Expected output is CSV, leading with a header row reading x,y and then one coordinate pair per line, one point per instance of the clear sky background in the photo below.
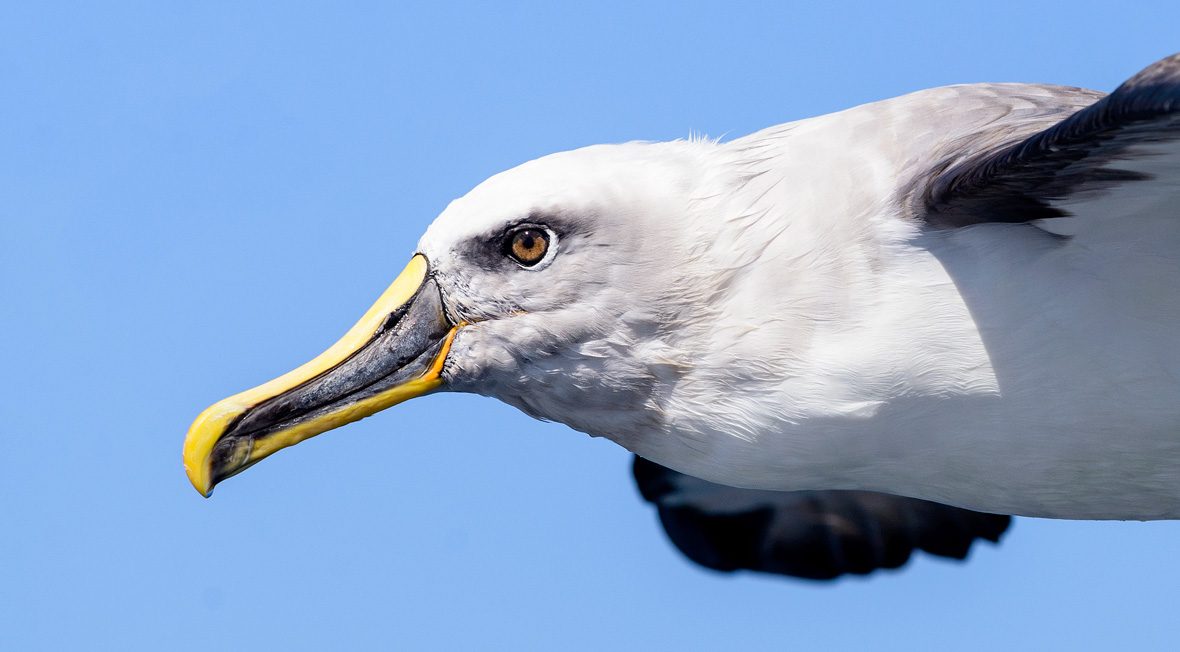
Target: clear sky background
x,y
195,197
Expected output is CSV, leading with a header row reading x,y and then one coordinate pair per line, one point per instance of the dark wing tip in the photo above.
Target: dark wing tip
x,y
1152,91
1023,180
816,535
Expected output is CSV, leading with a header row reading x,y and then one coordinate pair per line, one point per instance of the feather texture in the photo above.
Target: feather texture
x,y
889,298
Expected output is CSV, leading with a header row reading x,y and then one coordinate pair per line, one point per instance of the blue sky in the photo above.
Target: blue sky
x,y
198,196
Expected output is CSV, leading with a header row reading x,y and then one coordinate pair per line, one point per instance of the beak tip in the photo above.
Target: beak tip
x,y
199,481
202,436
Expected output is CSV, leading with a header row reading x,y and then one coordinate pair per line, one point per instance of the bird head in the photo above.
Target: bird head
x,y
547,286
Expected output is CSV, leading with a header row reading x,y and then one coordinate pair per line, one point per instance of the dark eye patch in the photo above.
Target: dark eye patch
x,y
493,250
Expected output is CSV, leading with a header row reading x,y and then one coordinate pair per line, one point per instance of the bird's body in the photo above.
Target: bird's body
x,y
996,366
968,295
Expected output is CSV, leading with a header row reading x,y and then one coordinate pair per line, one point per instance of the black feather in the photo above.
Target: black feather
x,y
817,535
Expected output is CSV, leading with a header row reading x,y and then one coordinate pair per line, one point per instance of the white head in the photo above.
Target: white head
x,y
589,333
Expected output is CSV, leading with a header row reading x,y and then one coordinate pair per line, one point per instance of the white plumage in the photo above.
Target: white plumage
x,y
879,299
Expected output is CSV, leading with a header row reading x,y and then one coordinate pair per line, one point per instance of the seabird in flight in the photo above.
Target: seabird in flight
x,y
965,295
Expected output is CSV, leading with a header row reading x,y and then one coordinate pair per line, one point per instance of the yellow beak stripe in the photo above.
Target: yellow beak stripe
x,y
213,422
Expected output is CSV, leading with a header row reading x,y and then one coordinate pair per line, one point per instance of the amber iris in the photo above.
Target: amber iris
x,y
528,245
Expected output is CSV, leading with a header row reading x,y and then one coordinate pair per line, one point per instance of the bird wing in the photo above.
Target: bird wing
x,y
1117,157
815,535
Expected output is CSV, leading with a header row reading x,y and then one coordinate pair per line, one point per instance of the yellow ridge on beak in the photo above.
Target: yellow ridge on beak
x,y
394,353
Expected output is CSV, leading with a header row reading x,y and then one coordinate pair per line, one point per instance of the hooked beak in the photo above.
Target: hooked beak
x,y
394,353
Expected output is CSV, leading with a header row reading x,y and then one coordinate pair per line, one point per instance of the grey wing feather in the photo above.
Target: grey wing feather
x,y
817,535
1104,146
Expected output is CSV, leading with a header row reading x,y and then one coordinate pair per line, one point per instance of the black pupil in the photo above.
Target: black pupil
x,y
528,240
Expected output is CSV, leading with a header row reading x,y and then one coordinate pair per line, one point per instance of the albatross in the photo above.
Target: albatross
x,y
829,343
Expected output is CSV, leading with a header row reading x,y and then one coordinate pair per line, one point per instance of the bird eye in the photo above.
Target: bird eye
x,y
527,245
